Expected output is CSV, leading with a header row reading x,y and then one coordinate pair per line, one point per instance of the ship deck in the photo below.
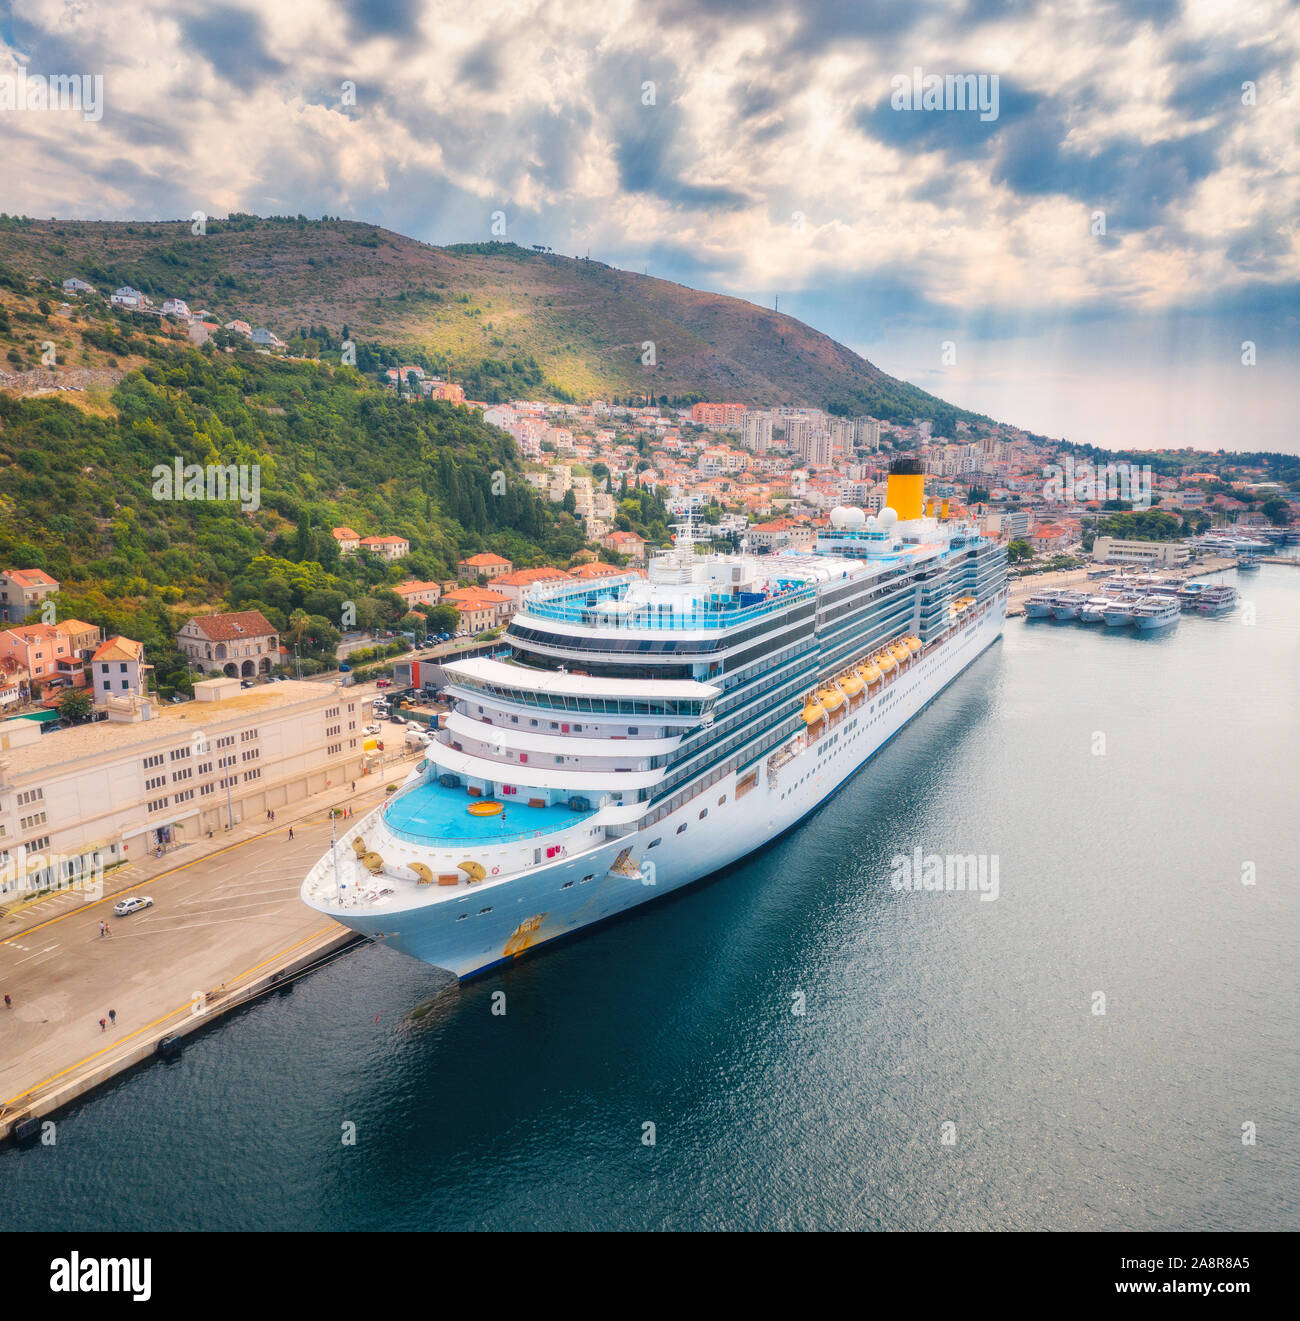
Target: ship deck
x,y
433,814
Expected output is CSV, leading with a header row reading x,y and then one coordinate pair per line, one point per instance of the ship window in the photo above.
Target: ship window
x,y
682,827
481,911
566,885
590,876
722,800
460,917
633,729
703,813
654,843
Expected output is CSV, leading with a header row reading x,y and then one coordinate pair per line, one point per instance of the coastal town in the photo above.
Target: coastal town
x,y
254,713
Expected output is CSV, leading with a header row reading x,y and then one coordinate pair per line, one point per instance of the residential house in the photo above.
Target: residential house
x,y
387,548
44,652
480,608
625,543
515,584
241,644
346,540
485,565
176,307
414,592
131,298
21,591
117,667
75,286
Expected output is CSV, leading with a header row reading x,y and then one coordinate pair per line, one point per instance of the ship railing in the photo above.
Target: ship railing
x,y
655,620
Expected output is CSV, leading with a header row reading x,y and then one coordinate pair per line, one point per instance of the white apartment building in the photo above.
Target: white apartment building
x,y
866,433
152,774
756,431
1157,554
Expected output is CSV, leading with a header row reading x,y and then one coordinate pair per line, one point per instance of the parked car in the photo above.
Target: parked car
x,y
133,904
373,729
247,683
345,669
383,683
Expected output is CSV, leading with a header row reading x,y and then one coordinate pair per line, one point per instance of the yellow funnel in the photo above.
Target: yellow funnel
x,y
905,489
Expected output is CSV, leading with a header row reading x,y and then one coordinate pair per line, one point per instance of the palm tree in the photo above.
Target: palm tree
x,y
299,623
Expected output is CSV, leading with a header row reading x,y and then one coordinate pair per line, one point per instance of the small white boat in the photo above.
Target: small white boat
x,y
1039,606
1153,612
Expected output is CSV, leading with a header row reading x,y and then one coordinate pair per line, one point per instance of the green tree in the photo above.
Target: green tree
x,y
75,705
443,618
1018,550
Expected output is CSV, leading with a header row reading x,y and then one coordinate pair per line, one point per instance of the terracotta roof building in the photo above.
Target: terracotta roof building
x,y
241,644
21,591
487,564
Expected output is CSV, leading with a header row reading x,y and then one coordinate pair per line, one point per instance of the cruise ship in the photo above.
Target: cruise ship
x,y
643,732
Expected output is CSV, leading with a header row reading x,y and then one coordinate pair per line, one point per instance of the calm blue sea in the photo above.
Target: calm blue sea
x,y
1120,874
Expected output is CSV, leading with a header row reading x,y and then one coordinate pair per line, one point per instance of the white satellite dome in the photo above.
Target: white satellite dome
x,y
873,524
840,516
854,517
888,516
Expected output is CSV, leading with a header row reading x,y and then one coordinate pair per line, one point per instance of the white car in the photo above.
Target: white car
x,y
132,905
372,729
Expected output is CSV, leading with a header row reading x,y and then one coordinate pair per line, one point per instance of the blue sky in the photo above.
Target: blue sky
x,y
758,149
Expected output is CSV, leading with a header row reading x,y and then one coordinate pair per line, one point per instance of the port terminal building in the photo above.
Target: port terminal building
x,y
154,774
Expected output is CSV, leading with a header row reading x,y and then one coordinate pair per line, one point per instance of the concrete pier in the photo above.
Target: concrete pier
x,y
226,925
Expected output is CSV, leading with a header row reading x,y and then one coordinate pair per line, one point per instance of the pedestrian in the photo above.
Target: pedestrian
x,y
268,814
290,832
112,1016
108,930
102,929
9,1004
102,1025
354,786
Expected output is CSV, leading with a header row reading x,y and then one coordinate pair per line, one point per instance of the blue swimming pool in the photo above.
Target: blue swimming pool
x,y
432,813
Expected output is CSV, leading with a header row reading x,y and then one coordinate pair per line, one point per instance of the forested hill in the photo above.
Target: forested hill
x,y
498,317
78,491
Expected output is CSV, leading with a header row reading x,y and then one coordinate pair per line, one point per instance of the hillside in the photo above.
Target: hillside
x,y
489,313
320,446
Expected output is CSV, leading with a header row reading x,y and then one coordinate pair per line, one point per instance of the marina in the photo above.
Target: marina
x,y
1146,603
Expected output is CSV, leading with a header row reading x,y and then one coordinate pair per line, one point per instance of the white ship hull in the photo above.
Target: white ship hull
x,y
492,923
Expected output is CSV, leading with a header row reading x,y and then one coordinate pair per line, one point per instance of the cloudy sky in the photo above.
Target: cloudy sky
x,y
1095,256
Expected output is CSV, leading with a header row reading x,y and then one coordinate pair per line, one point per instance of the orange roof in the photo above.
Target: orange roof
x,y
596,570
32,578
345,534
413,585
484,559
384,541
477,595
231,627
526,577
119,649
